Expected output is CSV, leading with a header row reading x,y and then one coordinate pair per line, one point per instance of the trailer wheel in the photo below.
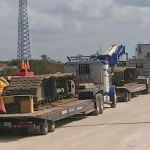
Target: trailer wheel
x,y
44,128
99,104
129,96
24,131
51,126
126,98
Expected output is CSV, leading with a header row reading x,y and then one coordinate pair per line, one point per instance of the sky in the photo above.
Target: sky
x,y
61,28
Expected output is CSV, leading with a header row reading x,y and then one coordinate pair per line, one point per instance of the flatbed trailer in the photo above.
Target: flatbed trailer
x,y
43,121
45,106
128,83
126,92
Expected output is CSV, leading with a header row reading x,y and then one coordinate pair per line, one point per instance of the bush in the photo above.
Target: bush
x,y
37,66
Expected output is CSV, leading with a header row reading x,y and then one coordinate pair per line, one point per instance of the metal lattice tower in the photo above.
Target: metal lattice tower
x,y
23,51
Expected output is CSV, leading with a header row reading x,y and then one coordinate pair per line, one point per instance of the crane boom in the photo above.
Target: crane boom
x,y
113,54
111,50
120,51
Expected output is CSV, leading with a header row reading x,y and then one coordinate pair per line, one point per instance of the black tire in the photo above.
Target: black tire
x,y
126,99
99,104
51,126
96,112
24,131
44,128
129,96
101,110
113,105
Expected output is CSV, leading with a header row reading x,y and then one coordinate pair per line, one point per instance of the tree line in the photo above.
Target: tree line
x,y
45,65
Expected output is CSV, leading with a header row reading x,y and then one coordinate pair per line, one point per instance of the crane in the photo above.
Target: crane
x,y
113,54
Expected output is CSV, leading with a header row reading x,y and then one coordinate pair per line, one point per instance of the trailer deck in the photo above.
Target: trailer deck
x,y
133,87
54,113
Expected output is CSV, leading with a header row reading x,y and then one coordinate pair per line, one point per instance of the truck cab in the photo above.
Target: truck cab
x,y
93,76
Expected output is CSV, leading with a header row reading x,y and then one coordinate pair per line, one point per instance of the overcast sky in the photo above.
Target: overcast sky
x,y
68,27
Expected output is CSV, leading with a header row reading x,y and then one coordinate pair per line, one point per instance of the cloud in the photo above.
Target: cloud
x,y
139,3
67,27
6,14
42,21
83,9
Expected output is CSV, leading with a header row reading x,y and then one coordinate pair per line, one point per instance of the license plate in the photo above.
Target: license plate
x,y
7,124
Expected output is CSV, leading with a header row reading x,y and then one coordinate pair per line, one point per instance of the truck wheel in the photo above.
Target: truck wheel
x,y
51,126
125,99
99,104
129,96
96,112
44,128
113,105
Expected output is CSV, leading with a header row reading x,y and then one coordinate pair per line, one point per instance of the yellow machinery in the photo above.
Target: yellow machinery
x,y
3,84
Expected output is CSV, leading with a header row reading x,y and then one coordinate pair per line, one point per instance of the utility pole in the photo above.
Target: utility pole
x,y
100,50
23,51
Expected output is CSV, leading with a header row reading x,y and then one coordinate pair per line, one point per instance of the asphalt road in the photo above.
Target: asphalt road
x,y
123,128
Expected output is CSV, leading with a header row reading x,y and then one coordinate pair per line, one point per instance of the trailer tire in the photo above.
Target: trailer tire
x,y
129,96
51,126
99,108
126,99
24,131
44,128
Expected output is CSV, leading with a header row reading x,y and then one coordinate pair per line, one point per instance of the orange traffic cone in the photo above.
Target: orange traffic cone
x,y
2,106
25,67
22,66
28,66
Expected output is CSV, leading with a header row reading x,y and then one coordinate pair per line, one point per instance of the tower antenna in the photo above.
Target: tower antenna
x,y
23,51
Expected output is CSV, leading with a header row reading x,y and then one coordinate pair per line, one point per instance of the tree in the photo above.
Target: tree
x,y
44,66
45,57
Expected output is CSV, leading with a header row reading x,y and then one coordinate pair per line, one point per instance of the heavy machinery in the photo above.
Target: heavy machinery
x,y
128,83
112,55
3,85
24,71
35,102
126,79
26,104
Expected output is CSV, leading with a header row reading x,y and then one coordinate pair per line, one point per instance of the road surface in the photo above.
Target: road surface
x,y
123,128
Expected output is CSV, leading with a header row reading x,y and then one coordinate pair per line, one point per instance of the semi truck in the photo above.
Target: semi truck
x,y
125,79
35,102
